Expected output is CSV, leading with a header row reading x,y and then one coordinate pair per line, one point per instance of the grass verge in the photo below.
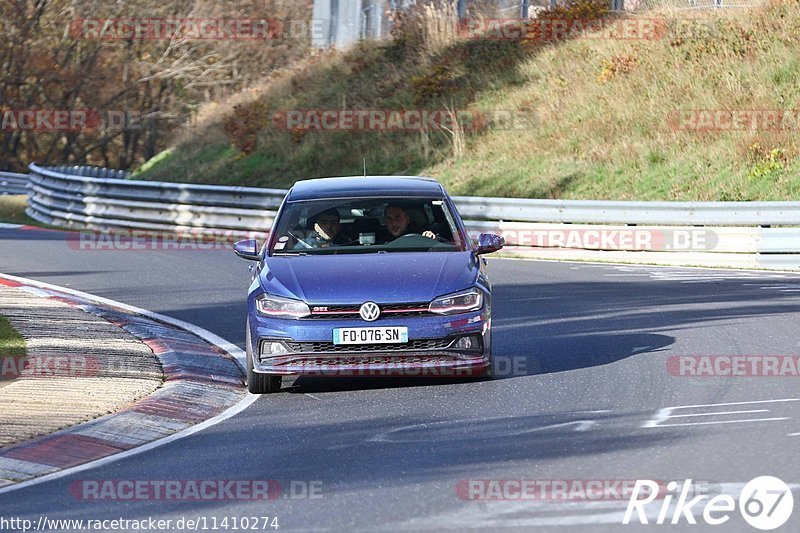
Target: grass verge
x,y
11,343
12,210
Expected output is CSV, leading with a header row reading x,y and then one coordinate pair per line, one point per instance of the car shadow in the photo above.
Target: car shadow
x,y
547,355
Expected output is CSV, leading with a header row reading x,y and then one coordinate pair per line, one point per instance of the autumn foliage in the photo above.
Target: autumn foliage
x,y
142,88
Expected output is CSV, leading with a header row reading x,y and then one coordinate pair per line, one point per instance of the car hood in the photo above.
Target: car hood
x,y
357,278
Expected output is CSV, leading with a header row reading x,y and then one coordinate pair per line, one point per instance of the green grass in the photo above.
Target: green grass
x,y
594,113
12,210
155,160
11,343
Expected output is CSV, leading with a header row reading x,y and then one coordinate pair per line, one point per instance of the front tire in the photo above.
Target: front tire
x,y
259,383
489,373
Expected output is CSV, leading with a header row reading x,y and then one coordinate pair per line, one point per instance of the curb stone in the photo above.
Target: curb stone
x,y
201,382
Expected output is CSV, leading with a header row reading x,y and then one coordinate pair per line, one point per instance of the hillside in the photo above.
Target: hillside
x,y
583,115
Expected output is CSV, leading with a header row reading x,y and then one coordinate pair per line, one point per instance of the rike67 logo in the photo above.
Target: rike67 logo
x,y
765,503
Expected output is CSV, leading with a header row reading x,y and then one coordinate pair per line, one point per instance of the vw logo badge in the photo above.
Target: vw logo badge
x,y
370,311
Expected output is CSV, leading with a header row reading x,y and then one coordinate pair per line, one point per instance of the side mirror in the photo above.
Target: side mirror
x,y
248,249
489,242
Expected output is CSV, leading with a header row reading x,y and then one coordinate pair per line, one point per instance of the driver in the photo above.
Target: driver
x,y
327,231
398,223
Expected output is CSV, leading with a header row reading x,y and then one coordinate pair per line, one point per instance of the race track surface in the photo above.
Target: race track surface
x,y
585,393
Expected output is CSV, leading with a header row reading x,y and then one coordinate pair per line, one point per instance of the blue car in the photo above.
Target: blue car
x,y
368,276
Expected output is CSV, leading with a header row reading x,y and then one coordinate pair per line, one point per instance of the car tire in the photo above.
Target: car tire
x,y
259,383
489,372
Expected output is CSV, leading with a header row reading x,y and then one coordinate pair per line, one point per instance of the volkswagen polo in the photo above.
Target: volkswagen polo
x,y
368,276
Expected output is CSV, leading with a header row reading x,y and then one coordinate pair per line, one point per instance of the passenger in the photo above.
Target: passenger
x,y
398,223
327,231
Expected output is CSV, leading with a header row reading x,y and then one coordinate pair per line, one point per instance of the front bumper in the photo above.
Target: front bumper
x,y
429,352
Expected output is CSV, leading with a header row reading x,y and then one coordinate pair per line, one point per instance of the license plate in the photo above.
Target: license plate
x,y
385,335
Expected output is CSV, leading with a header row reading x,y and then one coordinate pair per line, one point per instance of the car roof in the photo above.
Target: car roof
x,y
365,186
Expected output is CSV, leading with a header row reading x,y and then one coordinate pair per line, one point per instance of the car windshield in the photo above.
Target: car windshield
x,y
367,225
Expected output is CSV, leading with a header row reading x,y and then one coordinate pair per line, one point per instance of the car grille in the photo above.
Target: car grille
x,y
387,311
369,359
329,347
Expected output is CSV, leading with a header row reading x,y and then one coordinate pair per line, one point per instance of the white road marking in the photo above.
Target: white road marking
x,y
722,413
723,422
694,274
235,352
667,413
580,425
752,273
737,403
390,436
779,288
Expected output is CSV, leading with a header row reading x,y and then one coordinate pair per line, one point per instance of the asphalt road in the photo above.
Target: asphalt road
x,y
584,394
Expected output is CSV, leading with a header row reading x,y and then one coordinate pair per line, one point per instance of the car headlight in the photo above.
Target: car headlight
x,y
458,302
281,307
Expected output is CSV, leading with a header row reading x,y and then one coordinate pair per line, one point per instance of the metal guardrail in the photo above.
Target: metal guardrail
x,y
92,172
12,183
616,212
60,198
66,197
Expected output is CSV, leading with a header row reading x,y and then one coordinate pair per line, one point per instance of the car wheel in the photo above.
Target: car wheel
x,y
259,383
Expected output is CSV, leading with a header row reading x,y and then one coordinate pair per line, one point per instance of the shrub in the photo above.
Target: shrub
x,y
577,10
243,125
618,64
768,164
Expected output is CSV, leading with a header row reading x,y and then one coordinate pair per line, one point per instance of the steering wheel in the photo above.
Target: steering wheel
x,y
437,238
